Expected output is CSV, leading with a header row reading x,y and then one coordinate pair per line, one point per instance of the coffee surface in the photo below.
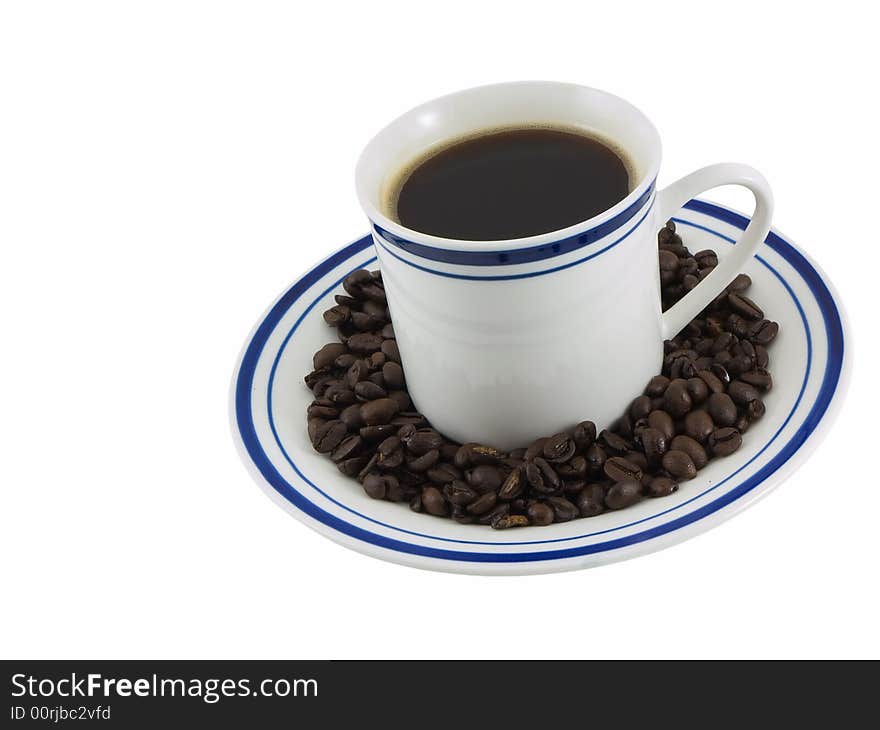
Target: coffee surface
x,y
511,184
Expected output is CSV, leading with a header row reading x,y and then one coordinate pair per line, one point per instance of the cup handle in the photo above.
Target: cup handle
x,y
671,198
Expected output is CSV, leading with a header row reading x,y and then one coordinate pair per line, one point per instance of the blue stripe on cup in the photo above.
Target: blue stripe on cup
x,y
517,256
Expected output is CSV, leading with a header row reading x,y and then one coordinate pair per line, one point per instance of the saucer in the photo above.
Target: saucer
x,y
810,360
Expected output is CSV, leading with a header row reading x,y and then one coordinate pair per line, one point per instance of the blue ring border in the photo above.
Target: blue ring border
x,y
831,377
516,256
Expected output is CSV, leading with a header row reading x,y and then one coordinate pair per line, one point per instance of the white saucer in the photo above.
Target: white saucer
x,y
809,360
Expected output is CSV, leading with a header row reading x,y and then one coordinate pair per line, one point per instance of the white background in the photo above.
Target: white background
x,y
166,169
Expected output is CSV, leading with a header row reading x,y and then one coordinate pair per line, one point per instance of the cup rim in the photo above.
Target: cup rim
x,y
646,181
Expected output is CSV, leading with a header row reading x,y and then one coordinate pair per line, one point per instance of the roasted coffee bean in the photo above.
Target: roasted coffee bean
x,y
668,261
758,378
551,480
393,374
314,424
340,394
737,325
415,504
347,448
433,502
722,343
755,410
365,322
744,306
706,258
762,359
390,350
375,361
377,433
337,315
401,397
540,514
535,449
677,401
725,441
620,470
505,522
692,448
663,422
320,410
459,493
355,280
614,442
424,462
422,441
740,283
513,486
482,504
640,408
574,468
351,467
366,342
443,473
377,378
742,393
623,494
365,390
763,332
357,371
484,478
720,372
722,409
563,510
329,436
657,386
697,389
596,457
591,500
376,485
661,486
698,425
679,464
623,426
654,444
638,458
378,412
408,418
327,354
559,448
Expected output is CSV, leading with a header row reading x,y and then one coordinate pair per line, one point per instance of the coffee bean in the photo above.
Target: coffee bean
x,y
677,400
662,486
377,433
698,425
484,478
347,448
540,514
706,258
319,410
737,325
422,441
663,422
720,372
614,442
550,481
378,412
654,444
740,283
668,261
596,457
620,470
351,467
758,378
443,473
722,343
563,510
337,315
328,436
504,522
559,448
482,504
697,389
327,354
535,449
762,359
365,342
424,462
724,441
692,448
390,350
574,468
623,494
722,409
657,386
433,502
679,464
591,500
376,485
763,332
401,397
744,306
365,390
513,485
742,393
755,410
393,374
355,280
459,493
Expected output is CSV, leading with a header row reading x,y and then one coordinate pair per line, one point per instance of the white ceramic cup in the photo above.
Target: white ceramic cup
x,y
506,341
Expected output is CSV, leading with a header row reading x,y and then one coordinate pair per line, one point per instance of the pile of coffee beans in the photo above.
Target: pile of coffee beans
x,y
697,408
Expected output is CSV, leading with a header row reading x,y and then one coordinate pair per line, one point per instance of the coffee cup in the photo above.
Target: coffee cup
x,y
504,341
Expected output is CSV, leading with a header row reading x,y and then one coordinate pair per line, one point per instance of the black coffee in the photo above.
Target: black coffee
x,y
511,184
